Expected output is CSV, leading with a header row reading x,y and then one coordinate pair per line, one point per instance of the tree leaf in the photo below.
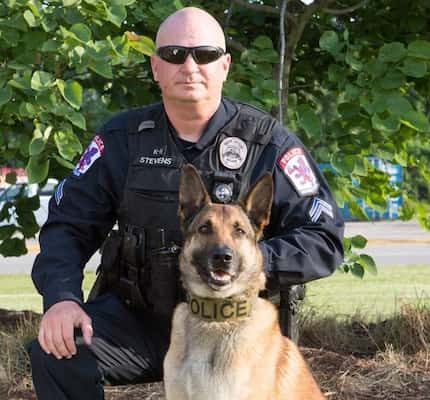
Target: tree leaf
x,y
263,42
64,162
376,68
69,3
50,46
37,169
309,121
41,80
30,19
82,32
68,144
390,124
76,119
5,95
141,44
368,263
414,68
416,120
329,41
116,14
397,104
357,270
392,52
6,231
392,80
344,164
11,178
102,68
71,92
123,2
13,247
419,49
359,241
348,110
37,145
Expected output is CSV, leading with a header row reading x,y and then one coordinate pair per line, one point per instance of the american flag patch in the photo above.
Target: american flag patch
x,y
319,207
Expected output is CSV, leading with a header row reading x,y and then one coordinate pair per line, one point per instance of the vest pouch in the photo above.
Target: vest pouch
x,y
163,290
132,267
108,270
152,196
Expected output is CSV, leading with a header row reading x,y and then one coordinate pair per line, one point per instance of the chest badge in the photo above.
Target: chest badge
x,y
233,152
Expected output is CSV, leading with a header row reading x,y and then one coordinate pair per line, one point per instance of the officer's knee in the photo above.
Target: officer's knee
x,y
38,357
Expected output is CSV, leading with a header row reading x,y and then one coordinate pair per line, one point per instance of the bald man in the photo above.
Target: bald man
x,y
129,175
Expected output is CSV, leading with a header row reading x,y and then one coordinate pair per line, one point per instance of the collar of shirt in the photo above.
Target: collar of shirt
x,y
225,112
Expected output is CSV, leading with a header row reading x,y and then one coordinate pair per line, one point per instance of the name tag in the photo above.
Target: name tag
x,y
161,161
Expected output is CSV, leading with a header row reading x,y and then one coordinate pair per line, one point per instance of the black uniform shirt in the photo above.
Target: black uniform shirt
x,y
303,239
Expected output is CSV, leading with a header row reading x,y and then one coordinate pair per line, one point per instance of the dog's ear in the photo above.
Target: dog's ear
x,y
192,195
258,202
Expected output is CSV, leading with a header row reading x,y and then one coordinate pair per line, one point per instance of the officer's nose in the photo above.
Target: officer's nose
x,y
222,256
190,64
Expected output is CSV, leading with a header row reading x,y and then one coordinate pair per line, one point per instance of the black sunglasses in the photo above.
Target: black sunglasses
x,y
178,54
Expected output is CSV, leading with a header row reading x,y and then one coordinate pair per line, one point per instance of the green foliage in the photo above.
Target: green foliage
x,y
356,86
61,60
251,79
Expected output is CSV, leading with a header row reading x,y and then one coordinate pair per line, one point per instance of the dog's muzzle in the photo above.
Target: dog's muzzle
x,y
220,267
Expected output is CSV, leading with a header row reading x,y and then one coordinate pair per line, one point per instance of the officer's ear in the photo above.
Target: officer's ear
x,y
258,203
192,195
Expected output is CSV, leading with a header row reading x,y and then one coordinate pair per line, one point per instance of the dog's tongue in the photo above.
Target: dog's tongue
x,y
220,273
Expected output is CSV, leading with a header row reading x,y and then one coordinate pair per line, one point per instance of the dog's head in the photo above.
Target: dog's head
x,y
221,257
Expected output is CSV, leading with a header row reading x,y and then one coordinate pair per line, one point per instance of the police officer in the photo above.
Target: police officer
x,y
130,173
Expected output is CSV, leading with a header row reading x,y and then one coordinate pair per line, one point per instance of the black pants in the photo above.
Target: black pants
x,y
127,347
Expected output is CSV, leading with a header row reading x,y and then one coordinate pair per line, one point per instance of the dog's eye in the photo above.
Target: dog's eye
x,y
239,231
204,229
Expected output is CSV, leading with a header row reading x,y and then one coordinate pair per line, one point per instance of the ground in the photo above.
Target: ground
x,y
352,365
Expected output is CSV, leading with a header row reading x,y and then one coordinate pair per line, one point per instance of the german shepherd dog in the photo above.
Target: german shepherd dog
x,y
226,343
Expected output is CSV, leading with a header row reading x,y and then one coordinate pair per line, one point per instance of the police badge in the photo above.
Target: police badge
x,y
233,152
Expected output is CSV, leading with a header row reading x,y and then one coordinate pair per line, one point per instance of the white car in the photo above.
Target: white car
x,y
45,193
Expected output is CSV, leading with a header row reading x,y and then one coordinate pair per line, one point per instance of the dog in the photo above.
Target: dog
x,y
226,342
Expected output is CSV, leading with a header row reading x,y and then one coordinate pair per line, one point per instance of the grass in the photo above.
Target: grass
x,y
17,291
340,295
344,295
378,349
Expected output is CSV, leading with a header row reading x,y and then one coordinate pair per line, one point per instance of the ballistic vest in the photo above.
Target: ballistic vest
x,y
150,200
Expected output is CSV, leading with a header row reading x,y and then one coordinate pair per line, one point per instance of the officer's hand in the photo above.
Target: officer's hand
x,y
57,328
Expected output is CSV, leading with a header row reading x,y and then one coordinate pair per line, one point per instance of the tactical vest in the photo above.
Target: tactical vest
x,y
150,199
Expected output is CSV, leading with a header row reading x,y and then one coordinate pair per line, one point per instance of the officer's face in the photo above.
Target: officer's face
x,y
190,81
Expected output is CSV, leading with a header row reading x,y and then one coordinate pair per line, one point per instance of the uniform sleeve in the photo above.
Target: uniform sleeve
x,y
304,237
81,213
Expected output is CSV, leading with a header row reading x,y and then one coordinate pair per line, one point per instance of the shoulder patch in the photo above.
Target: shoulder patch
x,y
296,167
319,207
59,192
91,154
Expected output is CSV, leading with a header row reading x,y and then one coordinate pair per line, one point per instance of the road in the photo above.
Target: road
x,y
389,243
393,242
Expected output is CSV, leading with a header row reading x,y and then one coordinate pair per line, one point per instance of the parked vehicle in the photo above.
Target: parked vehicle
x,y
29,190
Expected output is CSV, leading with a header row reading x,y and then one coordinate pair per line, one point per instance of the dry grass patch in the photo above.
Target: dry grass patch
x,y
352,359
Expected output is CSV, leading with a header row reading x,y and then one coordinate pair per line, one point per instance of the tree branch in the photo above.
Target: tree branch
x,y
282,23
233,44
344,11
257,7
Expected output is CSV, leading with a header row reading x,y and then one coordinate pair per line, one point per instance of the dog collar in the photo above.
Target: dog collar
x,y
219,310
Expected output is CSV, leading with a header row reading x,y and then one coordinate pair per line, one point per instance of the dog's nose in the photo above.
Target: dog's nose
x,y
222,255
